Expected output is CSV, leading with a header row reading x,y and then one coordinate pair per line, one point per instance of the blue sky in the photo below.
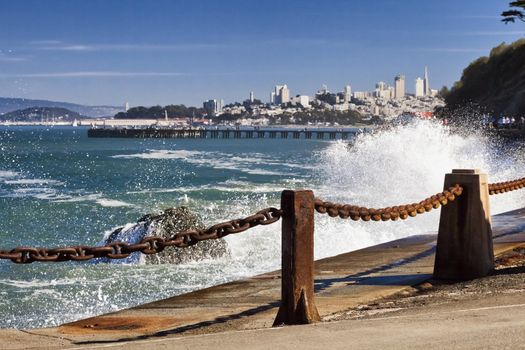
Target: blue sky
x,y
169,52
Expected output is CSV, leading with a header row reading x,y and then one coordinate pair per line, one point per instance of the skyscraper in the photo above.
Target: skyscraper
x,y
381,86
399,83
420,87
285,94
252,97
426,83
348,93
280,95
213,107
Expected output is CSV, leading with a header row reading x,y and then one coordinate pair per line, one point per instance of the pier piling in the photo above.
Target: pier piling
x,y
297,281
464,246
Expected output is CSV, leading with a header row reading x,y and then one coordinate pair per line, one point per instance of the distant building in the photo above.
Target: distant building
x,y
252,97
126,107
303,100
420,87
323,90
426,83
381,86
280,95
347,92
360,95
399,86
213,107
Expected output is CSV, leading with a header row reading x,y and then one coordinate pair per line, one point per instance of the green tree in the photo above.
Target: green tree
x,y
516,12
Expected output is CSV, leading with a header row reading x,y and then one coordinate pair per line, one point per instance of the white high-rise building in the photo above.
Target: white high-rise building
x,y
303,100
347,93
399,86
280,95
426,83
420,87
252,97
381,86
126,107
360,95
285,94
213,107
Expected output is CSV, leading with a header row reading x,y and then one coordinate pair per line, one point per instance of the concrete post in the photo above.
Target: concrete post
x,y
464,246
297,281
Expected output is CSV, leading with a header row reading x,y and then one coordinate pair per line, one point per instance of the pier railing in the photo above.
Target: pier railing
x,y
464,245
226,133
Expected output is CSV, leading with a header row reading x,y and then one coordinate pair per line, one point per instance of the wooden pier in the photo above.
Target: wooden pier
x,y
209,133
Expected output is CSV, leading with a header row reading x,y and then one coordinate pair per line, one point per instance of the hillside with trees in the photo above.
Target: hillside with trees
x,y
37,114
158,112
494,84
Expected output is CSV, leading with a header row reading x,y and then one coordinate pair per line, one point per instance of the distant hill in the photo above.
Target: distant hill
x,y
36,114
12,104
157,112
495,83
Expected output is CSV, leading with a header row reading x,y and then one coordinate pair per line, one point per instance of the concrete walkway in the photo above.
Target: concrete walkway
x,y
495,323
342,282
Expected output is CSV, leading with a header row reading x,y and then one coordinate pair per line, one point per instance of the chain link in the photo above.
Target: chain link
x,y
507,186
148,245
345,211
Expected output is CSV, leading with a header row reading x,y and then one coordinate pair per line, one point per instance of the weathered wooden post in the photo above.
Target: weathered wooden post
x,y
297,285
464,246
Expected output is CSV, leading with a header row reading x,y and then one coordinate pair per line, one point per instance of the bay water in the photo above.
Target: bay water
x,y
58,188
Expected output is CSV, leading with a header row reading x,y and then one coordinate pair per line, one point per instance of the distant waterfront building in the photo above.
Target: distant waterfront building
x,y
360,95
420,87
399,86
303,100
392,92
126,107
252,97
213,107
280,95
426,83
347,92
383,91
381,86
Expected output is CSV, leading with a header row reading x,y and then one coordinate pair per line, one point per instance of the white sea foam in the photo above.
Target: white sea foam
x,y
7,174
160,154
217,160
44,193
396,166
33,182
96,198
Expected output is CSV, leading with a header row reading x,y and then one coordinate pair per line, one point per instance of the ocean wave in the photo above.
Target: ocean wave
x,y
33,182
160,154
7,174
218,160
96,198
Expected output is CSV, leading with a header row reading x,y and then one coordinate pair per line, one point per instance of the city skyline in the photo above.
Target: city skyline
x,y
282,94
175,52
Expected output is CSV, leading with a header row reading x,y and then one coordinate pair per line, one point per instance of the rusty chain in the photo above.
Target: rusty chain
x,y
507,186
354,212
153,245
148,245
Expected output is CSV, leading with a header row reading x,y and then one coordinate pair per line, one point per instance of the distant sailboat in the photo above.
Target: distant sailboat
x,y
75,123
